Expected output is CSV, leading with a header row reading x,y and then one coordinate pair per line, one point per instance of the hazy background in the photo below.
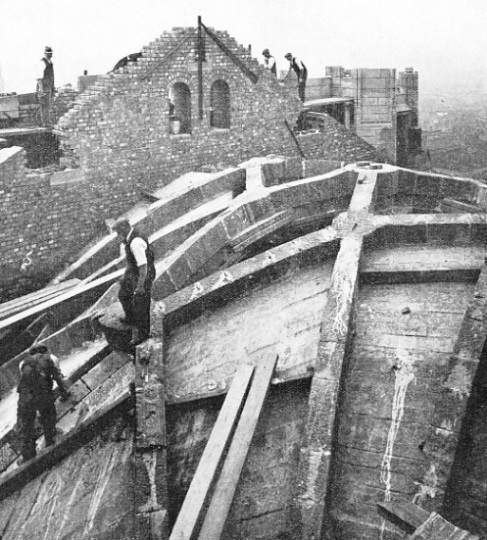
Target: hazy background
x,y
445,40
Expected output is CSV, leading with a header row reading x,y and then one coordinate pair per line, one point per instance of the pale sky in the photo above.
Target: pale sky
x,y
445,40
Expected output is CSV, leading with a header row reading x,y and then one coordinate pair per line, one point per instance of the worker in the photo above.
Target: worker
x,y
301,72
36,395
136,283
269,61
45,87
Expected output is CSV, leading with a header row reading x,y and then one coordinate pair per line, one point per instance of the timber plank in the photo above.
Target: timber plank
x,y
17,304
407,516
423,258
419,523
227,483
198,490
105,369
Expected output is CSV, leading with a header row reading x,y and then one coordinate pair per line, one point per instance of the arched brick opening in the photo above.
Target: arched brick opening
x,y
180,108
220,105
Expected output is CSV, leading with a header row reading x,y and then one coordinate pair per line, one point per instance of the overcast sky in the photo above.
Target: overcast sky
x,y
444,40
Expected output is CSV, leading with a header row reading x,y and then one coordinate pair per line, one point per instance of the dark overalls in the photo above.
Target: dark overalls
x,y
302,77
137,307
36,396
45,97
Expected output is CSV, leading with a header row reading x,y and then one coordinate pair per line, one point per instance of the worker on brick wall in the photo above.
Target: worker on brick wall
x,y
36,395
301,72
45,87
269,61
136,283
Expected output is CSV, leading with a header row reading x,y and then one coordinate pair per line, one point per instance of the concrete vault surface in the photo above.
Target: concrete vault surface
x,y
364,289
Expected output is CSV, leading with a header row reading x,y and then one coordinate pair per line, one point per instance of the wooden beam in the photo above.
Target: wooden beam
x,y
18,304
205,473
301,153
51,456
150,401
336,336
70,293
201,59
149,451
234,58
405,515
227,483
469,275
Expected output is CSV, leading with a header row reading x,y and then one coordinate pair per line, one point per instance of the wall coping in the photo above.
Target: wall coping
x,y
7,153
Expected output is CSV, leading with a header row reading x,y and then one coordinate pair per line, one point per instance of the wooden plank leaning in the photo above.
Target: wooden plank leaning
x,y
405,515
225,488
198,491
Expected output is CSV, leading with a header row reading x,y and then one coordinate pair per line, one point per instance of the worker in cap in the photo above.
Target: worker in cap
x,y
37,373
269,61
136,283
301,72
45,87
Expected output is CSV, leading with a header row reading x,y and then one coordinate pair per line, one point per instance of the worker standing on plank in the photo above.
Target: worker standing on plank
x,y
36,395
45,87
136,283
301,72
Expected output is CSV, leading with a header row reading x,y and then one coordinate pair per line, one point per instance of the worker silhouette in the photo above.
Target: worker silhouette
x,y
136,283
45,87
37,373
301,72
269,61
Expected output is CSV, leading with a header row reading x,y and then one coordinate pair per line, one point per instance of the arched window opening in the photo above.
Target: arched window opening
x,y
220,105
180,108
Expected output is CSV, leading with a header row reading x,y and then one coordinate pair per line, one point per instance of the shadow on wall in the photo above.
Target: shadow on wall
x,y
466,491
41,149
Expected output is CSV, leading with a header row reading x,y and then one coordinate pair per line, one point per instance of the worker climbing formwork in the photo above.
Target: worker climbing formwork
x,y
36,395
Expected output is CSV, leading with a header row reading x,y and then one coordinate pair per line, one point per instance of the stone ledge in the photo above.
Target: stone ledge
x,y
67,177
7,153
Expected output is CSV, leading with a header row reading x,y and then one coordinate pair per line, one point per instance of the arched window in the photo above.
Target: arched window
x,y
220,105
180,108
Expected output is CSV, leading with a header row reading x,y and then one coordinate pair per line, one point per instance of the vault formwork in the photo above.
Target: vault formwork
x,y
374,310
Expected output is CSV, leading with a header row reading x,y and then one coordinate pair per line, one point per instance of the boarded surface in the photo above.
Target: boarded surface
x,y
285,316
423,258
388,344
262,502
87,496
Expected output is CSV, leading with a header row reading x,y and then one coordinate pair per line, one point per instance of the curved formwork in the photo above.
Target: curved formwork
x,y
376,320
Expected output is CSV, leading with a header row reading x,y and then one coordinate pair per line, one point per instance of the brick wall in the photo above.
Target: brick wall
x,y
29,115
42,225
118,131
117,136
